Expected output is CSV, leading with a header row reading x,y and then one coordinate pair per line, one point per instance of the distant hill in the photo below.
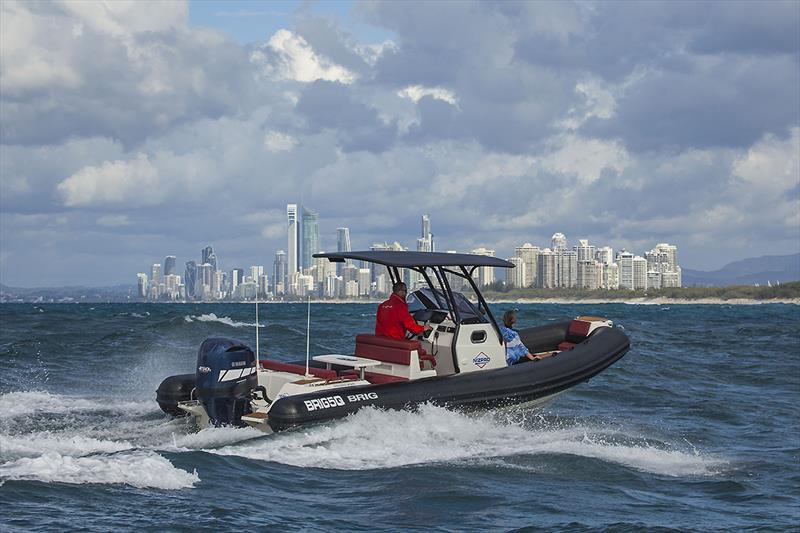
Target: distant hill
x,y
761,270
117,293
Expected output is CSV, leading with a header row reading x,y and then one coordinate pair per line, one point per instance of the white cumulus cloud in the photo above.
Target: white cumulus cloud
x,y
417,92
772,164
288,56
276,141
129,183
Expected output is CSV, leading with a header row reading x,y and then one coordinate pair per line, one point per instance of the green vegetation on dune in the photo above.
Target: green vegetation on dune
x,y
790,290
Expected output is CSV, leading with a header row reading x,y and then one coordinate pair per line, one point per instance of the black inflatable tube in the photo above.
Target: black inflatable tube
x,y
504,386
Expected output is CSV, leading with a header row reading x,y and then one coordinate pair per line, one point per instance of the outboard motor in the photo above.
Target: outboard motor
x,y
226,373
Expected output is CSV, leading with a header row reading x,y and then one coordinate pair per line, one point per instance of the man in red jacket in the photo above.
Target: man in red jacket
x,y
393,318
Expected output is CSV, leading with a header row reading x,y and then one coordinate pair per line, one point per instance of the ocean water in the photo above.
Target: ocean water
x,y
696,428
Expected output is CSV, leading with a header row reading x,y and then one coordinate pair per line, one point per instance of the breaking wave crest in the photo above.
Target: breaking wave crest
x,y
88,441
141,469
386,439
212,317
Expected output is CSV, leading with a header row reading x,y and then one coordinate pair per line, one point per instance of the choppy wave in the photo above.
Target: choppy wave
x,y
44,442
142,469
385,439
212,317
19,404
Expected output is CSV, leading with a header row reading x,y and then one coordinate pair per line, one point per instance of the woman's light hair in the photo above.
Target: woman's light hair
x,y
507,317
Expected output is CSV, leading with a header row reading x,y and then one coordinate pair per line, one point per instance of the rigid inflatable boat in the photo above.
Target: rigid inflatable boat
x,y
459,362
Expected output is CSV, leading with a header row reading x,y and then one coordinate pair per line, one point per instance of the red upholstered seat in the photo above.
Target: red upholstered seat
x,y
578,331
390,350
377,379
579,328
298,369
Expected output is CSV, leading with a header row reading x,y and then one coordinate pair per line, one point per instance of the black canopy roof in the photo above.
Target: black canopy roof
x,y
418,259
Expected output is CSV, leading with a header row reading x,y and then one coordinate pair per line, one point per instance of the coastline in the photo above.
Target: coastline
x,y
648,301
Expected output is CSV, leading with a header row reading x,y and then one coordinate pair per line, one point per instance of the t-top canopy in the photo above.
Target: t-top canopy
x,y
418,259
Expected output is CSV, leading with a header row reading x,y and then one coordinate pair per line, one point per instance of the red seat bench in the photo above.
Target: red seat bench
x,y
298,369
578,330
390,350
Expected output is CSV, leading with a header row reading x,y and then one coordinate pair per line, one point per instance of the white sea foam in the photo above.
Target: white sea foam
x,y
16,404
142,469
211,317
40,443
383,439
215,437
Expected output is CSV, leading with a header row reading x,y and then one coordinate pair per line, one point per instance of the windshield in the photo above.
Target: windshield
x,y
426,298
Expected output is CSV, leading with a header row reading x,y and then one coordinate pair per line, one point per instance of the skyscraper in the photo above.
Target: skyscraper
x,y
485,273
425,242
208,257
141,280
155,274
310,240
342,245
529,254
190,279
293,242
169,265
279,272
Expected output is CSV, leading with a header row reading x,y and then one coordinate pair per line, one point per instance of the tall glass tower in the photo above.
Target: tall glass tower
x,y
169,265
342,245
279,271
293,242
310,233
209,257
190,278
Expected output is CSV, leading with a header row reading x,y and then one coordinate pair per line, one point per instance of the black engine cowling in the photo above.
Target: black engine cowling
x,y
226,375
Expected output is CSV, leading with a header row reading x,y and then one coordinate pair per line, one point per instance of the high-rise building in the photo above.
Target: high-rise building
x,y
205,275
639,273
256,271
208,257
625,262
169,265
236,279
293,240
425,242
611,276
584,250
558,242
567,268
342,245
515,277
546,269
605,255
364,282
590,274
310,237
528,253
279,272
141,284
485,273
190,279
155,274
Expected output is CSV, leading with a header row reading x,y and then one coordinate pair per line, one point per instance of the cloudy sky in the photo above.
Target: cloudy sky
x,y
133,130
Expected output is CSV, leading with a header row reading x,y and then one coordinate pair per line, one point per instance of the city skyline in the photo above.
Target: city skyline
x,y
627,124
582,265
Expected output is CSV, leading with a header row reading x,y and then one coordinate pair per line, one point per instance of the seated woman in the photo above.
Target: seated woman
x,y
516,352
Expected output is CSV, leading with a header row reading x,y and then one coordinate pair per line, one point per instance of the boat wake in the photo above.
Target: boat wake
x,y
52,438
374,438
98,441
